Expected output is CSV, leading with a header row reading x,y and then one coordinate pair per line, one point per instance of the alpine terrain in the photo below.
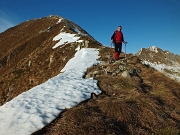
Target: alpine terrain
x,y
56,79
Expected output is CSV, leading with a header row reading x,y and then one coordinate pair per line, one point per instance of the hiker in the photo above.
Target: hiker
x,y
117,38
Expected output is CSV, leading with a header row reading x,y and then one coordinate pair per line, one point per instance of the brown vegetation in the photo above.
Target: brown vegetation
x,y
27,58
146,103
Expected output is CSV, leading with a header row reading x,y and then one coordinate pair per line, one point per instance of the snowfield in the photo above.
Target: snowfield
x,y
64,37
171,70
32,110
174,69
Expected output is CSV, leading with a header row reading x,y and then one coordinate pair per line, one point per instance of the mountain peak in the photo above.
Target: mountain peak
x,y
153,49
37,46
164,61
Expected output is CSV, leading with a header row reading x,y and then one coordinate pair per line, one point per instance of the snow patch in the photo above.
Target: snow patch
x,y
174,68
139,52
65,38
59,21
32,110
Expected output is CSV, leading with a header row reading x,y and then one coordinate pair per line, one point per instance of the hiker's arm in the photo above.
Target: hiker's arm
x,y
112,37
123,40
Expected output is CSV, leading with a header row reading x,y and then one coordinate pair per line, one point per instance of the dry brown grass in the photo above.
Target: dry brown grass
x,y
147,103
32,41
144,104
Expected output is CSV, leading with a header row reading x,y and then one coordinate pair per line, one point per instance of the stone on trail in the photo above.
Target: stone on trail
x,y
125,74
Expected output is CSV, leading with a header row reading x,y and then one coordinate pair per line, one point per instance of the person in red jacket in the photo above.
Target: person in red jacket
x,y
117,38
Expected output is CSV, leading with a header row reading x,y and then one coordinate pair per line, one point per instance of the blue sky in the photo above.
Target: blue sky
x,y
145,22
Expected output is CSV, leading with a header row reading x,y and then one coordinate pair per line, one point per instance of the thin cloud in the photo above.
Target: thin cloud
x,y
5,24
5,21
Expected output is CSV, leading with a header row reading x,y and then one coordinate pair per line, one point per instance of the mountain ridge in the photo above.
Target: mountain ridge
x,y
135,98
26,51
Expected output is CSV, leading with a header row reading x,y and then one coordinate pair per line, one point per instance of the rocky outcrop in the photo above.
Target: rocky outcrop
x,y
111,67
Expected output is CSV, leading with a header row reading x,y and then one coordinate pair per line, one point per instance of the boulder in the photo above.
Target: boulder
x,y
125,74
88,76
122,67
132,71
95,72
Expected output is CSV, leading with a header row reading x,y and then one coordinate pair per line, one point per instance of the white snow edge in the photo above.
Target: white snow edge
x,y
64,37
175,68
32,110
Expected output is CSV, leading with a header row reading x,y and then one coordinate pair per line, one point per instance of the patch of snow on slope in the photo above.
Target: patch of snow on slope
x,y
174,69
139,52
62,28
153,49
65,38
59,21
78,48
32,110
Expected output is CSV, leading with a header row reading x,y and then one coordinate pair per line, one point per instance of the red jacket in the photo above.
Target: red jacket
x,y
117,37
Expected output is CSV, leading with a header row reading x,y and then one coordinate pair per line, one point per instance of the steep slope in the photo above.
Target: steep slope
x,y
164,61
143,102
29,55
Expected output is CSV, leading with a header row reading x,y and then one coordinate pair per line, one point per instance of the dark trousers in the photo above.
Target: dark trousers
x,y
118,47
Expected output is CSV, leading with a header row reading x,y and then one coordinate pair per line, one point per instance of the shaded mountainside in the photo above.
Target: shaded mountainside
x,y
27,57
135,98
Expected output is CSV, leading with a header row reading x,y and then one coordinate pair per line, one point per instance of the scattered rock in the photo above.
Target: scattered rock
x,y
102,63
93,96
132,71
111,61
88,76
108,69
95,72
108,56
118,71
122,67
125,74
138,70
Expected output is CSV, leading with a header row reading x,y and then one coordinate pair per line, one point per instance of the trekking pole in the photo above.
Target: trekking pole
x,y
125,51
